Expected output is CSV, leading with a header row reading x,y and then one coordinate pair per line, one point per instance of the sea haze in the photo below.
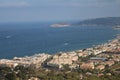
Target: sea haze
x,y
25,39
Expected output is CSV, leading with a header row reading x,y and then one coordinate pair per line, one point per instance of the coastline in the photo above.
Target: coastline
x,y
71,55
53,41
97,44
106,42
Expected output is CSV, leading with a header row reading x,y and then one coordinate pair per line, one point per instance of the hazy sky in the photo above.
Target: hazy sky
x,y
51,10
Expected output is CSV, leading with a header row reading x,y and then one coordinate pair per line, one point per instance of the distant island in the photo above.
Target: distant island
x,y
60,25
108,21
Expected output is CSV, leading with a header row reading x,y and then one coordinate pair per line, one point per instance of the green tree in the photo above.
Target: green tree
x,y
11,76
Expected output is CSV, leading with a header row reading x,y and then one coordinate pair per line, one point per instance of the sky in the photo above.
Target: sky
x,y
57,10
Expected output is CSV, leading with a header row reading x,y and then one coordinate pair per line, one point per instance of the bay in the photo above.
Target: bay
x,y
26,39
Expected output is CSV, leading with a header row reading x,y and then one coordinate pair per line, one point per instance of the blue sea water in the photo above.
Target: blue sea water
x,y
25,39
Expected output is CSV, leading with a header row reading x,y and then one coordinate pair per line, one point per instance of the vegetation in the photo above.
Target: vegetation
x,y
24,73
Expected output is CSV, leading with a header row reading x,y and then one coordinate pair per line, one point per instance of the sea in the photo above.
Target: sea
x,y
27,39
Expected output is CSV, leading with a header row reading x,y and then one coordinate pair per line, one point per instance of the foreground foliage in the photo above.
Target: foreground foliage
x,y
23,73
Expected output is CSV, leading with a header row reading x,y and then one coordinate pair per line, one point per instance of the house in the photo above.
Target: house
x,y
97,60
109,63
100,67
87,66
33,78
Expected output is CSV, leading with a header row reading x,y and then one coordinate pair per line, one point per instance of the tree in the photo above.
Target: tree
x,y
66,67
11,76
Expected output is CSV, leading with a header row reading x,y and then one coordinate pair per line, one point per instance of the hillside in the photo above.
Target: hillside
x,y
109,21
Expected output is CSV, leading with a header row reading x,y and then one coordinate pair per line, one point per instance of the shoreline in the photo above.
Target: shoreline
x,y
62,58
75,42
98,44
65,51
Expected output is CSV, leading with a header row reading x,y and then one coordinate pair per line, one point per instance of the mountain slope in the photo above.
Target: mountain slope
x,y
109,21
